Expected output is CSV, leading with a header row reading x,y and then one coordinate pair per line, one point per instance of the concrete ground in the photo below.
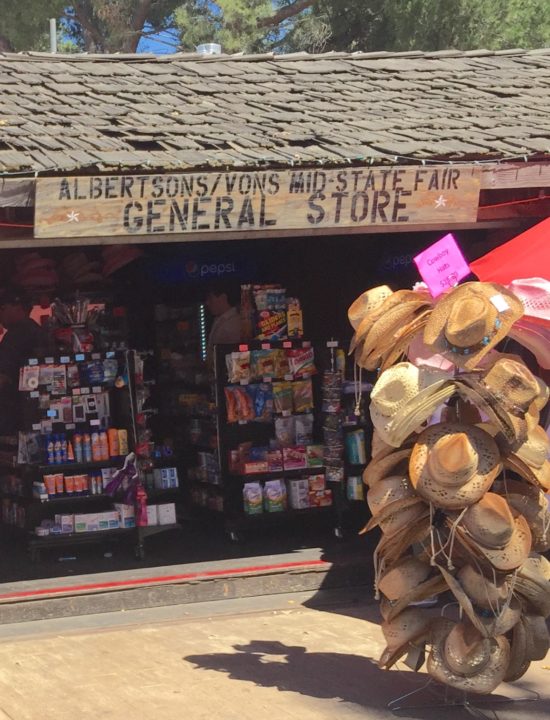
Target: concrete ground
x,y
273,657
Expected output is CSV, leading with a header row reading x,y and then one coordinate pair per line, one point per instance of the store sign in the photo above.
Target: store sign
x,y
221,202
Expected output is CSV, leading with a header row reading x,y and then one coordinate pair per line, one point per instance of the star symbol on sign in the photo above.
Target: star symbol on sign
x,y
73,216
441,201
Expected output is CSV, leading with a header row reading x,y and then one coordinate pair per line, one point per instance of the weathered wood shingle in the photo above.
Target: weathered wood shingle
x,y
86,112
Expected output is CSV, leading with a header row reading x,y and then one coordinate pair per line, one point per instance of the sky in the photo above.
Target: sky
x,y
160,44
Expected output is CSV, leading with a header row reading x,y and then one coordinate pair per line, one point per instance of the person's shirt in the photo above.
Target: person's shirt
x,y
226,329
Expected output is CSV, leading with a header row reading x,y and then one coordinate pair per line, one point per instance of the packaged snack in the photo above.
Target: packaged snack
x,y
316,483
334,473
282,365
320,498
271,325
298,492
302,362
263,364
94,372
73,377
252,496
59,380
238,366
245,403
315,455
294,458
285,431
302,395
45,375
275,461
275,499
282,397
263,401
294,317
110,371
304,429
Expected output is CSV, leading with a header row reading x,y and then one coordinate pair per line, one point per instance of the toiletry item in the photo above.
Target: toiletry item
x,y
114,450
87,447
104,445
123,442
78,449
96,447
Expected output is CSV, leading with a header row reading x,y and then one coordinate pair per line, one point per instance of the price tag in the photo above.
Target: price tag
x,y
33,361
84,391
76,391
96,356
245,382
287,344
70,426
267,379
243,422
64,359
49,361
96,390
266,346
289,378
94,423
287,413
243,348
51,413
109,355
332,344
80,357
35,394
306,344
37,427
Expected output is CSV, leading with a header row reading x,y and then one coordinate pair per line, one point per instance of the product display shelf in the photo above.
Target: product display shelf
x,y
231,434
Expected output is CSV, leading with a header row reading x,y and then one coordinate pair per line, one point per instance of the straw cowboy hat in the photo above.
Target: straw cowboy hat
x,y
470,320
534,337
534,294
489,526
529,460
453,465
533,583
412,625
511,383
519,656
404,397
510,429
380,302
531,502
387,491
366,304
406,574
488,658
538,638
384,466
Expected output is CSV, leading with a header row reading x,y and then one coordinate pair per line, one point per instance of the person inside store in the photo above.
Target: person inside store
x,y
222,302
23,339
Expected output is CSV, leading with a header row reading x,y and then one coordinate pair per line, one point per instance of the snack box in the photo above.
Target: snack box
x,y
275,460
320,498
253,498
295,458
317,483
152,515
252,467
109,520
167,514
127,515
88,522
315,455
66,522
298,493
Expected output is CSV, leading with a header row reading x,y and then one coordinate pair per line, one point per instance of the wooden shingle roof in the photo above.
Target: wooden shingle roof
x,y
126,112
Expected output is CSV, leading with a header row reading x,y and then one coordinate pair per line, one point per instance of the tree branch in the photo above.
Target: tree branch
x,y
286,12
91,32
139,19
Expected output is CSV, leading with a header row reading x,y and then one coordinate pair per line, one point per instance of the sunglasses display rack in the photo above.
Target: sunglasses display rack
x,y
80,418
269,462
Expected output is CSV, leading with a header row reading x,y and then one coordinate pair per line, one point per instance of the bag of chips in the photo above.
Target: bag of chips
x,y
302,395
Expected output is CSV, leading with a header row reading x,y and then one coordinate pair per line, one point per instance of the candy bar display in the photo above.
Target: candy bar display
x,y
457,483
273,452
268,314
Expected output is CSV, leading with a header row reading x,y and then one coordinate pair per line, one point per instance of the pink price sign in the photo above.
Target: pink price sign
x,y
442,265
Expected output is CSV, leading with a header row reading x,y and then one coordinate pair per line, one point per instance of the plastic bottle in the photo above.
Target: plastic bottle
x,y
78,449
70,452
50,449
87,447
104,445
114,450
123,442
63,441
58,457
96,447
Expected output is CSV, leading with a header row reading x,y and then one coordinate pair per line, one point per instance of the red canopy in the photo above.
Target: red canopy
x,y
526,256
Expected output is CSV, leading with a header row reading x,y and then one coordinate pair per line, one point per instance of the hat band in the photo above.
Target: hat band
x,y
472,349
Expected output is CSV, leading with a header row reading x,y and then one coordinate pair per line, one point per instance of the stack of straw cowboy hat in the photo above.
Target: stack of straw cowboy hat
x,y
456,484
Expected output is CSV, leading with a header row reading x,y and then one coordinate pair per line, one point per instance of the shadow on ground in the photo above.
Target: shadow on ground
x,y
350,679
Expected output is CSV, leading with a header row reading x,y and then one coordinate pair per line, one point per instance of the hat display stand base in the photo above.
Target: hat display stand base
x,y
443,696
